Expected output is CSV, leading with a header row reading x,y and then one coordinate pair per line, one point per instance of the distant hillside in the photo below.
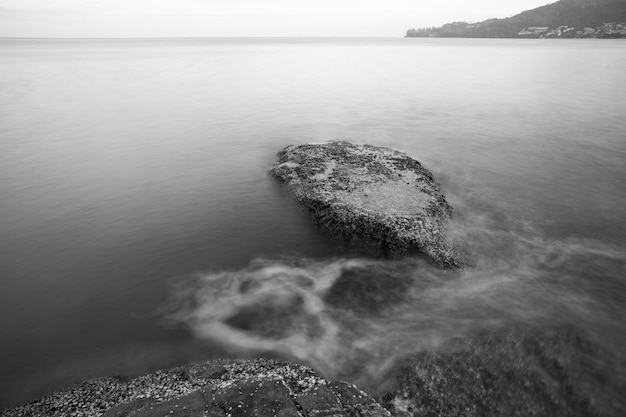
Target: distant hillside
x,y
571,16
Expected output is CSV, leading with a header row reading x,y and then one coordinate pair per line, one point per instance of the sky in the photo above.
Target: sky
x,y
245,18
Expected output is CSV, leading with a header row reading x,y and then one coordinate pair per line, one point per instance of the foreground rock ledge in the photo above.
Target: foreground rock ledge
x,y
220,388
372,197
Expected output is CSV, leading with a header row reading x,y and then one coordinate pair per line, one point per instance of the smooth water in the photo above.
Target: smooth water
x,y
139,228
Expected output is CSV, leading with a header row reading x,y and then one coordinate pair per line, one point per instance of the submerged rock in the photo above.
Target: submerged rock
x,y
375,198
219,388
518,371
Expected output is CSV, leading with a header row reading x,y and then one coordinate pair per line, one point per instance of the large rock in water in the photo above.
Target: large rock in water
x,y
220,388
375,198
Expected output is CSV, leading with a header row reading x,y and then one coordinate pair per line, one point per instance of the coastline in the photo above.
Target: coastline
x,y
216,388
518,368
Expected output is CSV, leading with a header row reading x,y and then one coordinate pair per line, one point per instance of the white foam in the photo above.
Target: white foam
x,y
521,277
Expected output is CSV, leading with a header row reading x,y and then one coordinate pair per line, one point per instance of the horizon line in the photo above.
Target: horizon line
x,y
193,37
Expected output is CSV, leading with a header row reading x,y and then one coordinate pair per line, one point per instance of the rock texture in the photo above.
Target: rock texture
x,y
375,198
220,388
518,371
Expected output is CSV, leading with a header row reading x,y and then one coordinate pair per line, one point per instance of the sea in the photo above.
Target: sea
x,y
139,228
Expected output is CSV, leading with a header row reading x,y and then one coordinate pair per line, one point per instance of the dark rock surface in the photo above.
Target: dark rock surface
x,y
518,371
217,388
374,198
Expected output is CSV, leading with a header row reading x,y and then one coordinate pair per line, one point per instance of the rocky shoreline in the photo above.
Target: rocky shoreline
x,y
516,370
216,388
374,198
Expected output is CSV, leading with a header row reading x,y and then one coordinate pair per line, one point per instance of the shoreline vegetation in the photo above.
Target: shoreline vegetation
x,y
567,19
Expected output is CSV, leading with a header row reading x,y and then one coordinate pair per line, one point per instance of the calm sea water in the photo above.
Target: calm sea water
x,y
139,228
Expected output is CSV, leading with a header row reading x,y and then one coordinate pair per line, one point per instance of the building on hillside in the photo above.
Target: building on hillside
x,y
534,31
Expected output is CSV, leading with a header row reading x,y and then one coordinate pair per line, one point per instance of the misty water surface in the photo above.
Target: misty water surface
x,y
140,228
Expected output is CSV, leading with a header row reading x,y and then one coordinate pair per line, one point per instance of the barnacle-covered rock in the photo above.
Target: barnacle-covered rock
x,y
375,198
219,388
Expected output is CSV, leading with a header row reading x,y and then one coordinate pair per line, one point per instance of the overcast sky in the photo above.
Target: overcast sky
x,y
167,18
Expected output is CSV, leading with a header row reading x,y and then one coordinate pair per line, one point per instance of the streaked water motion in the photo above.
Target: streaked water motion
x,y
140,230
